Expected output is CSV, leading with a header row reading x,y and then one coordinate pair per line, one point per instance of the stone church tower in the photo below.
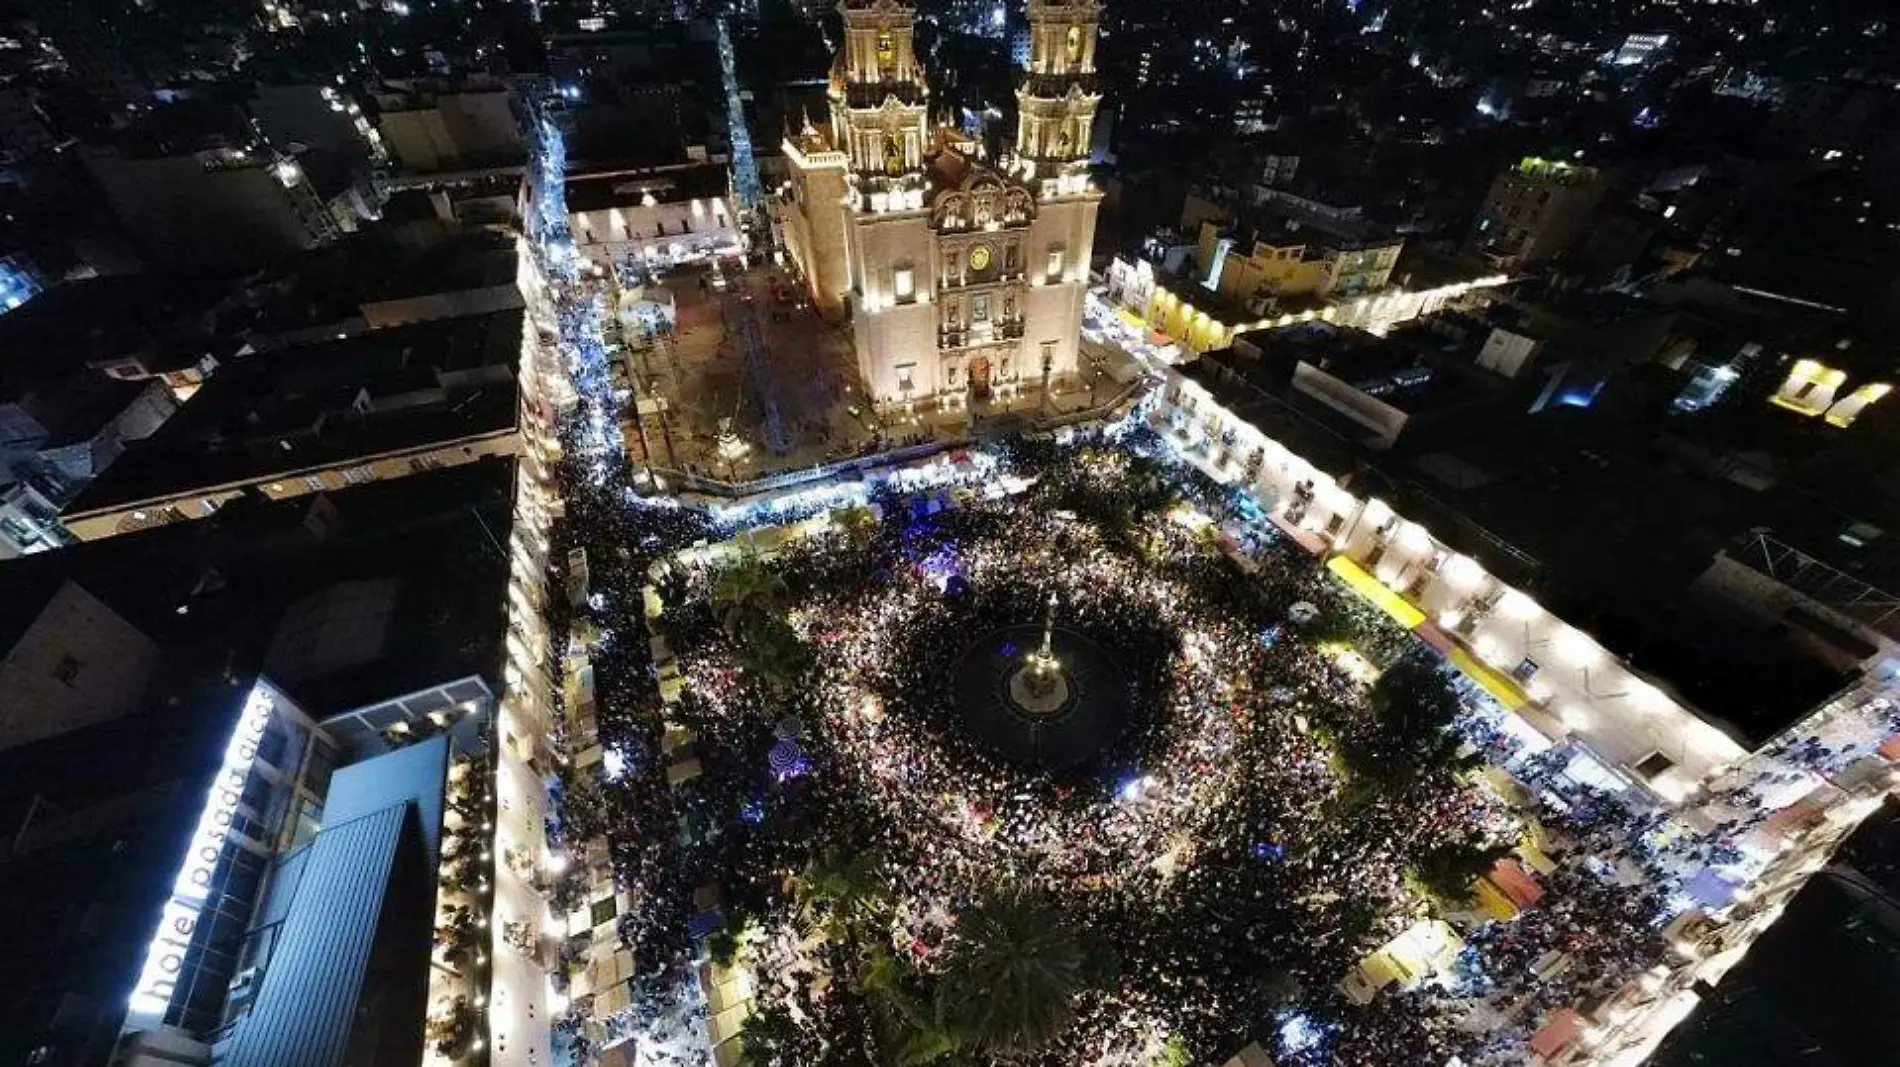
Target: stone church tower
x,y
963,279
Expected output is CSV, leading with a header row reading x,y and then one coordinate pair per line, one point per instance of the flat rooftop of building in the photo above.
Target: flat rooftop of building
x,y
1282,223
411,94
169,318
603,189
74,410
1420,268
233,592
324,404
186,123
1619,526
1396,370
333,283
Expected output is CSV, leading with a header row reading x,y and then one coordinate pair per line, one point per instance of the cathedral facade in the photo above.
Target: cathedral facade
x,y
962,278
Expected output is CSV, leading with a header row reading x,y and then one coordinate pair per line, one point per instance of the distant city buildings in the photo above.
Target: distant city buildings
x,y
1536,211
429,127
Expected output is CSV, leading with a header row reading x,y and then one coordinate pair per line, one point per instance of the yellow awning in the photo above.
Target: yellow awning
x,y
1131,318
1493,902
1382,970
1533,856
1375,591
1494,682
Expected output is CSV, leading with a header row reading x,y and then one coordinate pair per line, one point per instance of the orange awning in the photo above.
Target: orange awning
x,y
1560,1028
1523,890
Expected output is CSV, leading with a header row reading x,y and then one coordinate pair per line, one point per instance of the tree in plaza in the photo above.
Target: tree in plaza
x,y
750,597
1013,982
1410,736
770,1035
845,895
770,649
728,941
746,589
915,1028
856,520
1149,489
1448,872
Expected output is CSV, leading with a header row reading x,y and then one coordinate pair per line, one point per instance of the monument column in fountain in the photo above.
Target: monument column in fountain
x,y
1040,686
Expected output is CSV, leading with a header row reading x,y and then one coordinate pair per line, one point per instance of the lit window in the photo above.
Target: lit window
x,y
1055,262
905,283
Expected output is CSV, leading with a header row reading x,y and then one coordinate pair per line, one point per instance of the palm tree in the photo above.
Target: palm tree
x,y
747,588
750,597
913,1031
846,895
771,649
1013,983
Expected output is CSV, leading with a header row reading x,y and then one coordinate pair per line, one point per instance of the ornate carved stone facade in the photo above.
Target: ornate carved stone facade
x,y
962,279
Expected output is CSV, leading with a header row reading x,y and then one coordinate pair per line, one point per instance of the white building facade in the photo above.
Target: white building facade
x,y
654,218
963,280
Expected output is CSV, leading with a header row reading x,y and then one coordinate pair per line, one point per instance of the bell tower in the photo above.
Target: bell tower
x,y
1055,105
878,95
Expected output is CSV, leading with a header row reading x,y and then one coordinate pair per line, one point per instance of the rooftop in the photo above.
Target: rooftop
x,y
1396,369
668,185
334,282
1281,224
1554,171
218,595
324,404
170,319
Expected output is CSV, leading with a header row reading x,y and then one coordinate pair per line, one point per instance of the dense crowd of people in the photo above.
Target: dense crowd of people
x,y
1225,865
1212,854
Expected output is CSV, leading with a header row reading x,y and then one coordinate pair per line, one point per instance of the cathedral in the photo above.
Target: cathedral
x,y
962,278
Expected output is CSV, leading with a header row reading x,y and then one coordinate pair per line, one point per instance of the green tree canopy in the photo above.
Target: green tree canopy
x,y
1014,980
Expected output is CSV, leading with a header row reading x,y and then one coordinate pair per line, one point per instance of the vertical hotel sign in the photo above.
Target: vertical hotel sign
x,y
165,958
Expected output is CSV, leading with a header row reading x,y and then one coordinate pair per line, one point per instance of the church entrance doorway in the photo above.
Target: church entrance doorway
x,y
980,378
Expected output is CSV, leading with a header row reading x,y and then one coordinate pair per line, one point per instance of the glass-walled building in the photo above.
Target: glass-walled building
x,y
312,859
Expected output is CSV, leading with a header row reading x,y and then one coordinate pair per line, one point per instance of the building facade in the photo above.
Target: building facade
x,y
1535,211
963,279
298,926
653,218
